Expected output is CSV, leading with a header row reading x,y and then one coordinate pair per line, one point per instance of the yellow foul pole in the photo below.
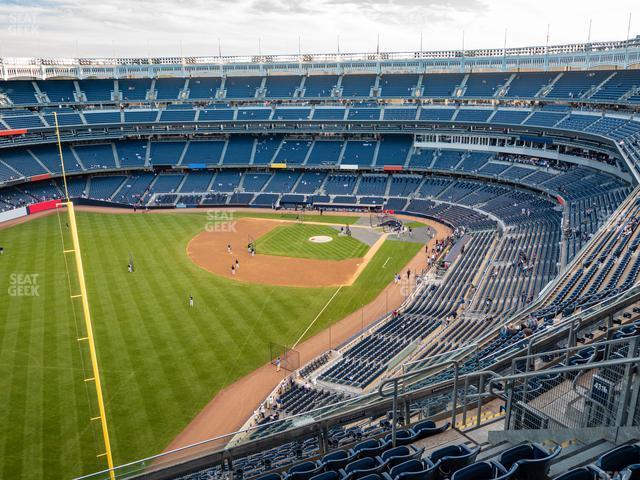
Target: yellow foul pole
x,y
86,312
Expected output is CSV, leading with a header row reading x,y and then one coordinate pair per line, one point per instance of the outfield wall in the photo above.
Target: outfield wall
x,y
13,214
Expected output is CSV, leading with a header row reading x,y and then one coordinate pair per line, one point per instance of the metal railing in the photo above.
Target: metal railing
x,y
501,53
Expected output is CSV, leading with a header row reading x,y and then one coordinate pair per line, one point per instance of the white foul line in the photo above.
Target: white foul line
x,y
317,316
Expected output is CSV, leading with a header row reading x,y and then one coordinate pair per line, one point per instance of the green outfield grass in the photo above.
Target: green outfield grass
x,y
161,361
293,241
414,224
306,217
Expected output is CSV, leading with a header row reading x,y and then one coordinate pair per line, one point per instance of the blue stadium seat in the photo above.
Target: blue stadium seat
x,y
241,87
428,428
619,458
336,460
413,470
582,473
204,88
134,89
400,454
316,86
361,468
532,461
451,458
487,470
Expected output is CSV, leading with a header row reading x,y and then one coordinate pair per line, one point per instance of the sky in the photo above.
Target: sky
x,y
142,28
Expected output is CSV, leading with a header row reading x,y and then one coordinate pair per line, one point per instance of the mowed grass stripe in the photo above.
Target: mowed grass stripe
x,y
302,217
161,361
293,241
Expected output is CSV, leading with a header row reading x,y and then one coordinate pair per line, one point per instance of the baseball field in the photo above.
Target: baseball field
x,y
161,360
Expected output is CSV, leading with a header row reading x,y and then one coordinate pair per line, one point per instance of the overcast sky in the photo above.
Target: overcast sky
x,y
69,28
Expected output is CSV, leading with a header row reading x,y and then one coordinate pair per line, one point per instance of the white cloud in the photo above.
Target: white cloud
x,y
59,28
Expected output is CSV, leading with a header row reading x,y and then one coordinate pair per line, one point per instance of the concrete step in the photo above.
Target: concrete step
x,y
493,451
580,456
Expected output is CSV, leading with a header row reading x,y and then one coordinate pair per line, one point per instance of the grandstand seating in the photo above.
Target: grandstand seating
x,y
485,84
97,91
282,86
204,88
59,91
319,85
132,153
168,88
293,152
359,152
527,245
204,152
239,150
20,92
398,85
576,84
441,85
527,85
134,89
166,153
241,87
357,85
265,150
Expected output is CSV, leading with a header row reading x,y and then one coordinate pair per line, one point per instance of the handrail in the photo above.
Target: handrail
x,y
405,376
566,369
462,349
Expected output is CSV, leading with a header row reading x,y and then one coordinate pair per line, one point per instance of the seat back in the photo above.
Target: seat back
x,y
366,444
408,466
619,458
479,470
582,473
448,451
395,452
454,459
303,471
336,460
361,464
424,424
427,472
270,476
372,451
509,457
330,475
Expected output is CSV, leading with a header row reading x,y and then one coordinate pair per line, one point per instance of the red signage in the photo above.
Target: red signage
x,y
44,176
11,133
43,206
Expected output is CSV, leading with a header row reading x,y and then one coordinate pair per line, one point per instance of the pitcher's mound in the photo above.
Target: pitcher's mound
x,y
320,239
